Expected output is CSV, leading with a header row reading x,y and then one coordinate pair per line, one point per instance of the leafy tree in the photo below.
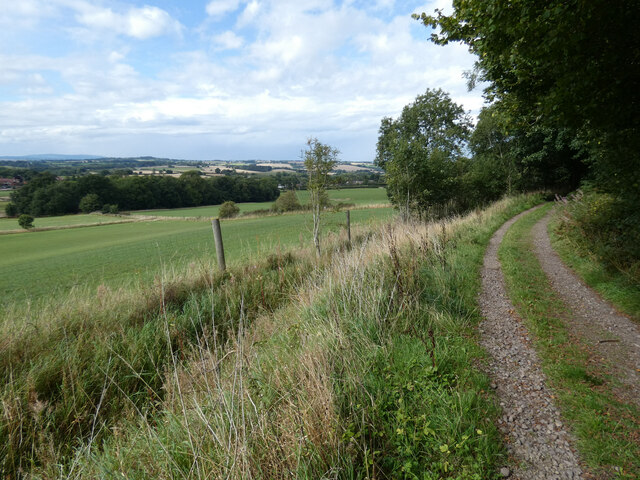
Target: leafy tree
x,y
421,152
25,221
89,203
572,65
287,202
228,209
319,160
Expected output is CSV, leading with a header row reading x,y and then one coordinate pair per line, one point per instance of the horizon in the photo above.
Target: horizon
x,y
215,79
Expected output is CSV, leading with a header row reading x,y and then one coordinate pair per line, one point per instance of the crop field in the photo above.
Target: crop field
x,y
358,196
61,221
43,264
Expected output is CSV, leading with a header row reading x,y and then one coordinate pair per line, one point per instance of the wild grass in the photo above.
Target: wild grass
x,y
361,365
605,259
607,430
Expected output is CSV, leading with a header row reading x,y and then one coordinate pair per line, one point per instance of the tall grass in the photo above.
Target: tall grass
x,y
362,365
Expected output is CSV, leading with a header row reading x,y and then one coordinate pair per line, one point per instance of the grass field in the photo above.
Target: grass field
x,y
358,196
5,194
61,221
43,264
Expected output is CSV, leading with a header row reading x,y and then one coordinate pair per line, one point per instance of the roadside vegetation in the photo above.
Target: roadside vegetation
x,y
606,428
601,242
282,367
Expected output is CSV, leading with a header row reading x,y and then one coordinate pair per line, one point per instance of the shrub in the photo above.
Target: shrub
x,y
606,226
89,203
25,221
286,202
108,208
11,210
228,210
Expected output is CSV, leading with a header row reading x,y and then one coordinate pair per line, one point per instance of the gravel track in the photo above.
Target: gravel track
x,y
612,336
537,441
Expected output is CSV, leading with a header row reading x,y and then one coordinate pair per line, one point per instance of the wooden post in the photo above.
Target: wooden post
x,y
349,226
217,236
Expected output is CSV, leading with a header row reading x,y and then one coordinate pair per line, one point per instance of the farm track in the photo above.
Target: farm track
x,y
610,335
67,227
537,440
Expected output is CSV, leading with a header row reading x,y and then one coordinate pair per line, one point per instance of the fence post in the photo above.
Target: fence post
x,y
217,236
349,227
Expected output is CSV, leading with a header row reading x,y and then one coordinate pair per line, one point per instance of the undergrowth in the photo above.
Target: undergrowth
x,y
607,430
600,239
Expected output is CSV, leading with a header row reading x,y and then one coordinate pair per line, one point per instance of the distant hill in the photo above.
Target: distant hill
x,y
50,156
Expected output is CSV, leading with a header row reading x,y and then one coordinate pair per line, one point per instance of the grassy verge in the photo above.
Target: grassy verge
x,y
358,366
607,430
613,284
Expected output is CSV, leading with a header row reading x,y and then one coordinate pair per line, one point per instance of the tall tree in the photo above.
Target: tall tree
x,y
567,64
319,160
420,151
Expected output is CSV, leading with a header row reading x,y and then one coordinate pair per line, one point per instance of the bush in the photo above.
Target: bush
x,y
286,202
606,226
89,203
228,210
25,221
108,208
11,210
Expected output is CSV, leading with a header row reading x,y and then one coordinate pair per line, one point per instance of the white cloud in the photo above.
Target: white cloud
x,y
228,41
141,23
286,70
218,8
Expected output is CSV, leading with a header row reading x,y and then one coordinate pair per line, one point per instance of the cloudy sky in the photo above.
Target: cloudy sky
x,y
221,79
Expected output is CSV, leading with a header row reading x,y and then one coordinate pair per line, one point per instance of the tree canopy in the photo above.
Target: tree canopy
x,y
422,150
568,65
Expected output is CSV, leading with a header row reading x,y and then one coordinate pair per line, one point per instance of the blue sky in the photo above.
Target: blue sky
x,y
221,79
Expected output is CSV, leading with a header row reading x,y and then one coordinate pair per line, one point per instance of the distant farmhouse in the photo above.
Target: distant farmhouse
x,y
8,183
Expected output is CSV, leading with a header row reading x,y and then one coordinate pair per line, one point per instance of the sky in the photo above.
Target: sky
x,y
221,79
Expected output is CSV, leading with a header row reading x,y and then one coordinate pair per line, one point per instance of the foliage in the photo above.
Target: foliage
x,y
90,203
228,209
25,221
319,160
44,195
510,154
286,202
11,210
603,225
421,152
564,65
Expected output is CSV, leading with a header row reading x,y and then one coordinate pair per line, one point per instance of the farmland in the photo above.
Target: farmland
x,y
48,263
8,224
357,196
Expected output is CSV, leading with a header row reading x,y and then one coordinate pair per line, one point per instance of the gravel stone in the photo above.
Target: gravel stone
x,y
514,368
593,319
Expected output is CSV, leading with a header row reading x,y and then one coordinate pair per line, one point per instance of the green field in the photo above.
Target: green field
x,y
358,196
43,264
5,193
62,221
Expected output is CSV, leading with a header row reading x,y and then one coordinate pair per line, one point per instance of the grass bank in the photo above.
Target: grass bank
x,y
361,365
607,430
584,242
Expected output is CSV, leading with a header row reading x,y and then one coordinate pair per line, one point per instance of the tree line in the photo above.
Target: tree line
x,y
562,108
45,195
